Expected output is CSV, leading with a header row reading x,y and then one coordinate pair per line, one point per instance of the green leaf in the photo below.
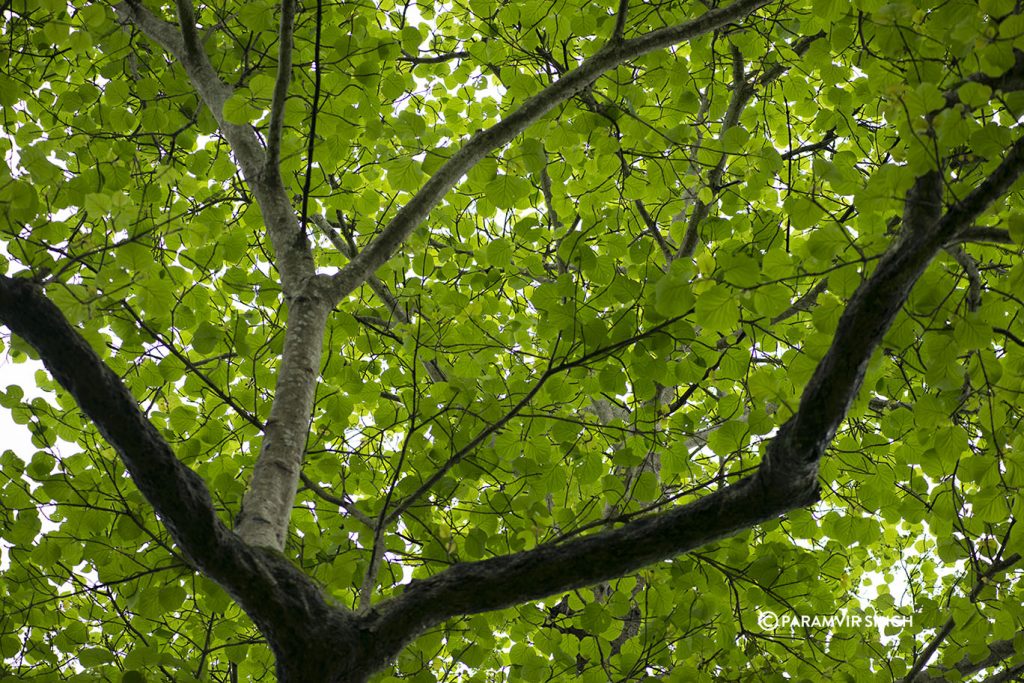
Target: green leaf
x,y
499,253
238,109
997,8
92,657
1015,225
405,174
802,212
182,420
974,94
172,598
206,338
672,294
505,191
717,310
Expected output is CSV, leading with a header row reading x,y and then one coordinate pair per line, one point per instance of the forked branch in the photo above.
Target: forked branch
x,y
786,478
387,242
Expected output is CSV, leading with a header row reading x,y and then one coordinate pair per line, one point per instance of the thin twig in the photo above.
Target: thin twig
x,y
652,227
345,504
533,109
434,59
379,288
496,426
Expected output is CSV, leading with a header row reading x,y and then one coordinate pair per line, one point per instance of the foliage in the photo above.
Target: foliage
x,y
597,318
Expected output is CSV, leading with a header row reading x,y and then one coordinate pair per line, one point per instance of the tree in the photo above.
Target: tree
x,y
512,341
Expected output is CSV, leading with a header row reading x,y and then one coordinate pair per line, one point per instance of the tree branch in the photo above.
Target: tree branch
x,y
294,259
314,114
193,48
742,90
496,426
997,652
829,138
435,59
804,303
284,77
194,368
267,505
268,587
914,675
652,227
785,480
800,47
379,288
1011,80
186,47
345,504
266,508
179,495
982,234
1009,335
970,266
620,21
384,245
376,284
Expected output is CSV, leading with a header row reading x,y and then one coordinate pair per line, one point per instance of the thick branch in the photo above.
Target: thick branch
x,y
272,591
1011,80
184,44
193,54
786,479
268,500
620,20
532,110
548,569
178,495
867,317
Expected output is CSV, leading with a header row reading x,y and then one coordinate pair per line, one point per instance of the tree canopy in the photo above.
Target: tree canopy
x,y
526,341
